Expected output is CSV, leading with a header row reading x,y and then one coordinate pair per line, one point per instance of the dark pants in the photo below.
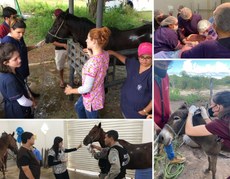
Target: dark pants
x,y
82,112
64,175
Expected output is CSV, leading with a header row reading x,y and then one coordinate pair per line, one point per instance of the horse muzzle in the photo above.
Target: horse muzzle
x,y
165,137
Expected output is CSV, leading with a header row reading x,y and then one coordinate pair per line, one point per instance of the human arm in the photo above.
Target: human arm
x,y
85,88
51,161
120,57
191,130
115,164
38,45
27,172
23,101
59,44
73,149
145,111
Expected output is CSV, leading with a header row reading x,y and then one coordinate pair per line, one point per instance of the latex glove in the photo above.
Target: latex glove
x,y
40,44
192,109
204,113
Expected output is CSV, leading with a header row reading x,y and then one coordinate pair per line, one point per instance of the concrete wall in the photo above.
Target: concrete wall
x,y
204,7
147,131
56,128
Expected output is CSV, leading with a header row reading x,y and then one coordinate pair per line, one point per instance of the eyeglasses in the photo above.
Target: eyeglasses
x,y
142,57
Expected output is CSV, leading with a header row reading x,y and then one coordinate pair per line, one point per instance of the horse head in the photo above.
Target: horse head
x,y
59,29
10,141
176,124
95,134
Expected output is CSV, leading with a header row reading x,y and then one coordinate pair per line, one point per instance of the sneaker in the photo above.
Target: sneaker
x,y
177,160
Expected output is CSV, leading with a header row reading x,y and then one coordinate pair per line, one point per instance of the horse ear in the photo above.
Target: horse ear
x,y
184,106
67,10
99,125
12,134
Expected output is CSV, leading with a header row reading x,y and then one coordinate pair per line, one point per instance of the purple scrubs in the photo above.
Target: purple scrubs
x,y
165,39
136,92
190,26
12,88
24,68
209,49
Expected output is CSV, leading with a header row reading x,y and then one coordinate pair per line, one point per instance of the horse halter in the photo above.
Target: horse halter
x,y
93,138
55,35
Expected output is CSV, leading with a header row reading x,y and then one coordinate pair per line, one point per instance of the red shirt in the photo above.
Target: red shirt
x,y
4,29
157,101
220,127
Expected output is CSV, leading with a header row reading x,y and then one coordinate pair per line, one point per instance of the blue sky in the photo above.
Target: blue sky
x,y
209,68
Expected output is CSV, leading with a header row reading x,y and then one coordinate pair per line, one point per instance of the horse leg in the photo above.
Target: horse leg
x,y
209,165
213,162
3,171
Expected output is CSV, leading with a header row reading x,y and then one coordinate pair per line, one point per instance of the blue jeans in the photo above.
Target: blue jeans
x,y
82,112
169,150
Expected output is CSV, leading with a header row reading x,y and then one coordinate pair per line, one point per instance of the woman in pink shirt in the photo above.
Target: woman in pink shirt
x,y
93,74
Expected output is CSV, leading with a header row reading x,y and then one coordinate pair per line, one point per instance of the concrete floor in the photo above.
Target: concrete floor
x,y
46,173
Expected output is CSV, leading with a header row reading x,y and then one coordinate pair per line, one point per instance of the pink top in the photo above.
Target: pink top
x,y
95,67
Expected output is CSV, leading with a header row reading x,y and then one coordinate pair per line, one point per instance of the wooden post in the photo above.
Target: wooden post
x,y
211,89
99,13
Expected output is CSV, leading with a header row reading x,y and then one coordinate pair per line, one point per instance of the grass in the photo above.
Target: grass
x,y
189,99
42,11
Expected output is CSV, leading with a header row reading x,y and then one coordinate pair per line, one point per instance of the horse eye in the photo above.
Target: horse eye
x,y
176,118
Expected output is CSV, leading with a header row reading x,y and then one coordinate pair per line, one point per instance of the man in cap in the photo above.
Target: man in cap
x,y
60,53
8,14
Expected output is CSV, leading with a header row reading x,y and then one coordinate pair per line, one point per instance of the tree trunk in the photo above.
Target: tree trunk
x,y
92,5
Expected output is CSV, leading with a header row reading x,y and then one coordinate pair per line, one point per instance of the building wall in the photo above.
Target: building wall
x,y
204,7
56,128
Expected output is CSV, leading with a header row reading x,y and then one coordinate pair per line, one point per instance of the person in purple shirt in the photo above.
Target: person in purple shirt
x,y
220,108
219,48
165,37
188,22
136,92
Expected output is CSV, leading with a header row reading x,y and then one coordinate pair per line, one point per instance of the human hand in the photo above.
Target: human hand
x,y
88,51
68,90
204,113
192,109
64,160
40,44
79,146
150,116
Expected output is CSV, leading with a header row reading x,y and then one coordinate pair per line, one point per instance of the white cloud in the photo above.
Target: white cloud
x,y
216,70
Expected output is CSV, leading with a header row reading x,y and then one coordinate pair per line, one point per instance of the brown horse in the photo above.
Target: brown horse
x,y
67,25
7,141
140,154
176,125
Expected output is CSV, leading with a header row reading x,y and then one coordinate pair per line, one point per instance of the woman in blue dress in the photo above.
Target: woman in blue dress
x,y
17,100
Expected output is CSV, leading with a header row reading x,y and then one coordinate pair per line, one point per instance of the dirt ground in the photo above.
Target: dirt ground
x,y
196,160
196,163
53,103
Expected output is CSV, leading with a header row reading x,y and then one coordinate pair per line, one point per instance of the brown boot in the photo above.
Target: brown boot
x,y
177,160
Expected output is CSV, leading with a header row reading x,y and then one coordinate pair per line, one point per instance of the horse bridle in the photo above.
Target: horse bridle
x,y
92,139
55,35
